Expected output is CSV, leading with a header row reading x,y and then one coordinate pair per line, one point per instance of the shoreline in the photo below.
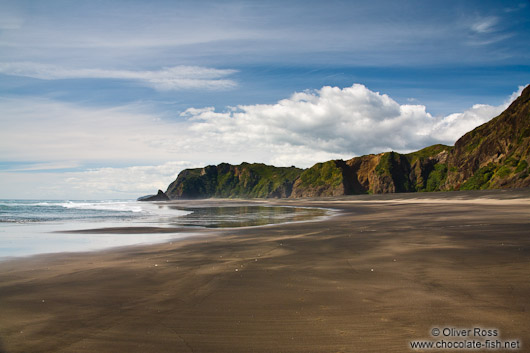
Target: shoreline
x,y
86,235
379,274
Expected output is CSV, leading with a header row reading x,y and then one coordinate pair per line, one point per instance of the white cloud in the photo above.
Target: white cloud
x,y
333,121
457,124
171,78
40,130
129,180
454,124
118,183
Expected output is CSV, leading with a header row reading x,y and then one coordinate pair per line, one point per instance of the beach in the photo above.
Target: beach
x,y
382,272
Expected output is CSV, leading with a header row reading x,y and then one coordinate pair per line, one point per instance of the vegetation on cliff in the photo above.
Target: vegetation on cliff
x,y
321,179
429,167
393,170
225,180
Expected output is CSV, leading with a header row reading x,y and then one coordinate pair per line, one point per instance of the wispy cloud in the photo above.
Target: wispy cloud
x,y
232,32
126,182
485,25
171,78
32,167
515,8
486,31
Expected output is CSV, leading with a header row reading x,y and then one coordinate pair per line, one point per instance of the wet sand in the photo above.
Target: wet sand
x,y
383,272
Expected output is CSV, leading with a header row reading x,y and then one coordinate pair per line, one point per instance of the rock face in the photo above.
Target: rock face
x,y
494,155
160,196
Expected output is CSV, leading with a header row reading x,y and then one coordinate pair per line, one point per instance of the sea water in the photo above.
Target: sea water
x,y
29,227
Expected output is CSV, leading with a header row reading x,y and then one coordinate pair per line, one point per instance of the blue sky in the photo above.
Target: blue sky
x,y
111,99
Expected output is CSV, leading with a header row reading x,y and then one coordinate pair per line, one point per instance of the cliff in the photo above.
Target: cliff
x,y
389,172
494,155
225,180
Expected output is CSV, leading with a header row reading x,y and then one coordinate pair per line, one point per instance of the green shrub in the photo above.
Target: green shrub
x,y
504,171
385,164
512,161
436,177
521,166
480,179
524,134
427,152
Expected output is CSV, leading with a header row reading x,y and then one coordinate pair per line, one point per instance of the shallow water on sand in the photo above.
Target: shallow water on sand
x,y
244,216
46,226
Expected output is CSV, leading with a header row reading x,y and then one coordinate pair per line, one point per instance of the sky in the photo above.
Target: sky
x,y
112,99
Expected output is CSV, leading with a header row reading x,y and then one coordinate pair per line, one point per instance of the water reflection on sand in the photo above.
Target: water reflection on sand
x,y
244,216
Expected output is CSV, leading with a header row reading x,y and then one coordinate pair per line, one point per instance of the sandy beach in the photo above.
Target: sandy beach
x,y
384,271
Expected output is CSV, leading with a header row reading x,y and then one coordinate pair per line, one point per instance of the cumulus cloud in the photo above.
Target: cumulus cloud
x,y
171,78
336,122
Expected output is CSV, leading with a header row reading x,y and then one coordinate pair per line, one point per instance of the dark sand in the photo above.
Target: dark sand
x,y
383,272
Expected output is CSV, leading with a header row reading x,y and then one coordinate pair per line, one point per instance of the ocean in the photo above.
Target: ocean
x,y
30,227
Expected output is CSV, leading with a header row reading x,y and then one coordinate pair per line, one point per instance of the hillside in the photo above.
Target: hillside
x,y
493,155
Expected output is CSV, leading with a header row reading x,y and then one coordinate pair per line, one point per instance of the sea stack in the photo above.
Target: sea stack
x,y
160,196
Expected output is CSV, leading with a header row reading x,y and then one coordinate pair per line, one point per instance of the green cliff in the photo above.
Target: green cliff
x,y
494,155
388,172
228,181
